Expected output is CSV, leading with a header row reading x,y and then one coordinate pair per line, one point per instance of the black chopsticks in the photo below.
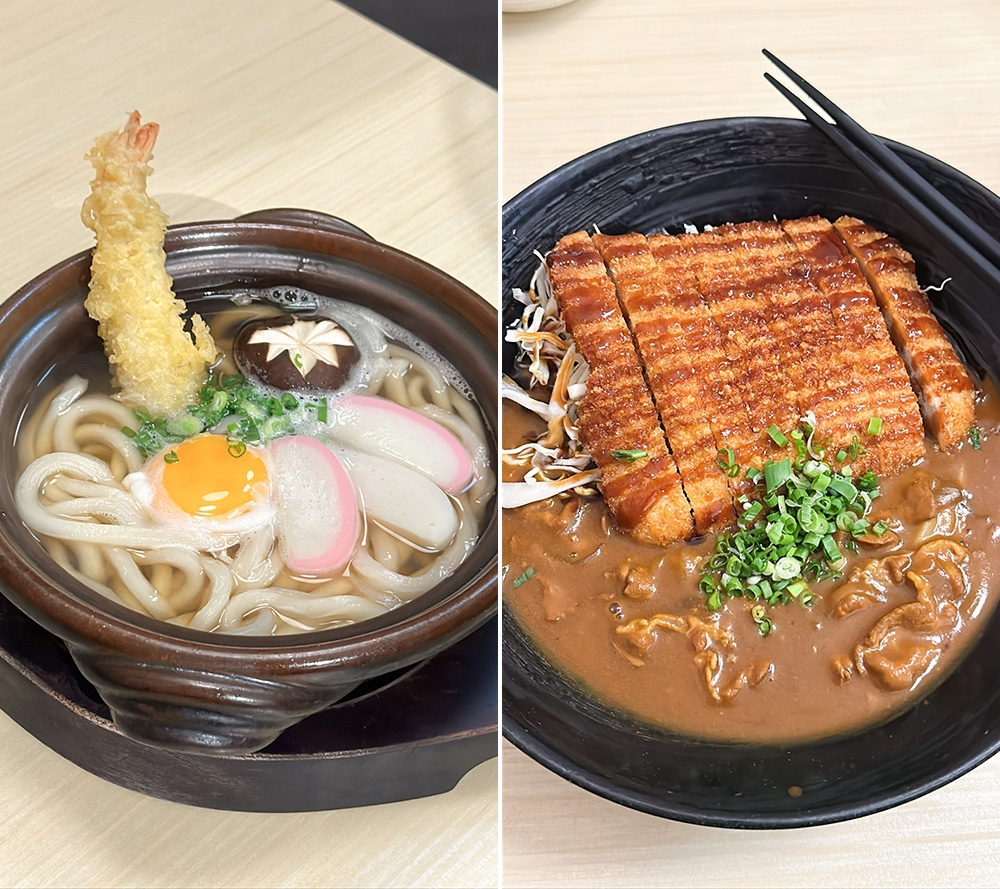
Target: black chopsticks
x,y
888,171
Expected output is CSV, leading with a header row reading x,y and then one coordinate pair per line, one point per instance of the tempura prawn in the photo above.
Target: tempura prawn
x,y
157,365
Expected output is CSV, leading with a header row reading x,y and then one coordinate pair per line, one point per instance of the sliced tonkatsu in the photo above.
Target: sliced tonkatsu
x,y
661,306
700,344
864,344
619,422
946,392
809,346
721,265
722,385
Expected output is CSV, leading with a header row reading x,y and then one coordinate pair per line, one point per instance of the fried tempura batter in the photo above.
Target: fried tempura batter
x,y
156,364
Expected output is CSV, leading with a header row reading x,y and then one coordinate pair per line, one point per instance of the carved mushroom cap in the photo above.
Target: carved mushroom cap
x,y
296,352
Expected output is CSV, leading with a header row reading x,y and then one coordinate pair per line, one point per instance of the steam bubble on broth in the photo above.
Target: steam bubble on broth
x,y
96,502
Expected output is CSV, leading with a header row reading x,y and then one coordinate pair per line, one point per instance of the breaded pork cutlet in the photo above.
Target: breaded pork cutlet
x,y
865,344
653,301
723,401
946,392
643,489
833,387
742,313
809,346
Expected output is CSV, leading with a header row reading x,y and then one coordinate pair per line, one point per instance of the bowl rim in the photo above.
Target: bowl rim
x,y
467,607
532,742
676,129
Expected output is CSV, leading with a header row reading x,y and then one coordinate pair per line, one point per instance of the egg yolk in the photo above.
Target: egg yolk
x,y
207,480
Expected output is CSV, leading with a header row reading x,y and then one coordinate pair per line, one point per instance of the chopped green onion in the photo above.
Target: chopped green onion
x,y
842,486
787,568
875,426
524,577
251,432
727,462
776,474
274,427
187,426
625,455
796,589
799,443
830,549
170,457
784,538
752,511
764,623
868,482
879,529
777,436
975,438
253,415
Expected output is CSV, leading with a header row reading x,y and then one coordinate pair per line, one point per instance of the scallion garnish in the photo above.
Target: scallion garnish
x,y
764,623
793,535
727,462
629,455
253,416
856,449
830,549
974,437
776,474
777,436
524,577
875,426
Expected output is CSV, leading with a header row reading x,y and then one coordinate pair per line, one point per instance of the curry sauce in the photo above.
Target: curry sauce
x,y
626,620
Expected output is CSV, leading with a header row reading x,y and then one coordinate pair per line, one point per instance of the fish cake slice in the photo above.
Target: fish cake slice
x,y
947,396
884,389
653,300
617,413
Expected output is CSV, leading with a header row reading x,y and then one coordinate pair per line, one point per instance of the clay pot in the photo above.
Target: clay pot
x,y
195,691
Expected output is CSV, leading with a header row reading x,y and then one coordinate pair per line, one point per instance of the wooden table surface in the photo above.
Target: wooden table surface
x,y
297,103
593,71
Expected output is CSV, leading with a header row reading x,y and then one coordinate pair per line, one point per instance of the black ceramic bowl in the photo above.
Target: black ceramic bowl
x,y
194,691
712,172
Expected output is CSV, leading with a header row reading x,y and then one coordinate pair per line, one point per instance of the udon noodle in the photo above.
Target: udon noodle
x,y
73,494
